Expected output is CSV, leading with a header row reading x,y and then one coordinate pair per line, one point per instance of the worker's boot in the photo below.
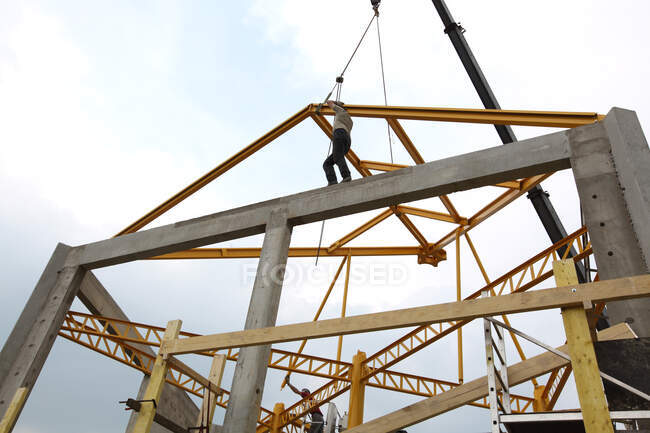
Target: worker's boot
x,y
331,182
346,179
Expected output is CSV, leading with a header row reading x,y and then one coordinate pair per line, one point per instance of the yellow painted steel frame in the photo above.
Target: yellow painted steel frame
x,y
521,278
392,115
115,338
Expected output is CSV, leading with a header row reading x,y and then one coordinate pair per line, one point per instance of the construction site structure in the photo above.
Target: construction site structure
x,y
609,158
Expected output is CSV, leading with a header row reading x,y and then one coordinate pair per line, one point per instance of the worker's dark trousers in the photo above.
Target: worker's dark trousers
x,y
341,145
316,418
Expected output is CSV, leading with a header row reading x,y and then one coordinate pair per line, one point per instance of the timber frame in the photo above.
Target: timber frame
x,y
610,160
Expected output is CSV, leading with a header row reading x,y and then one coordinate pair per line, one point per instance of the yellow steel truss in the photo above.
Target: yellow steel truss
x,y
120,339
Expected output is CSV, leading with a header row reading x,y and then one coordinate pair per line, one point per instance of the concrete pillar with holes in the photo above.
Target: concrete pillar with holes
x,y
611,165
31,340
250,372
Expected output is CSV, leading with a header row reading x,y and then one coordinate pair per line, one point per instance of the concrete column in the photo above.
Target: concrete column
x,y
611,166
174,403
250,372
30,342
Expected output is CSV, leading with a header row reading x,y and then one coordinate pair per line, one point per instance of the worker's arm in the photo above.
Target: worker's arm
x,y
293,388
334,106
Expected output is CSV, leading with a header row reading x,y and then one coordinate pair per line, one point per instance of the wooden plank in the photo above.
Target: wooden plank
x,y
476,389
14,409
210,398
595,412
623,288
156,382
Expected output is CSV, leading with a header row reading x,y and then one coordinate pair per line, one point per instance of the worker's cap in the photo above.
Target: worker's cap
x,y
306,390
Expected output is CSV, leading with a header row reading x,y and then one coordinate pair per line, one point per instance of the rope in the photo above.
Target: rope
x,y
383,80
338,87
359,44
348,63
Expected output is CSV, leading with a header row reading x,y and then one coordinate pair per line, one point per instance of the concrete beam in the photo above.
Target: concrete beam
x,y
38,327
32,309
250,371
174,403
527,158
611,167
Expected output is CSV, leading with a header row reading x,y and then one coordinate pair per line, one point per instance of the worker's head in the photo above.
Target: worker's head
x,y
306,390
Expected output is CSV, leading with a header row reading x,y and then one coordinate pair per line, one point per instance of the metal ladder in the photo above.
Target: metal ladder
x,y
495,374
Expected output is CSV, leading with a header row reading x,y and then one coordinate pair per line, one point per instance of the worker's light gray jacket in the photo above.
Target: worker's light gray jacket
x,y
342,119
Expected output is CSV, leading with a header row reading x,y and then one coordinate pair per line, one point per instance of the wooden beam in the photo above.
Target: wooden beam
x,y
14,409
156,381
357,390
623,288
477,389
595,412
210,397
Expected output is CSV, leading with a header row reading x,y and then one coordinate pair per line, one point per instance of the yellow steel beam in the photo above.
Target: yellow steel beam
x,y
493,207
410,227
531,118
406,140
417,158
458,298
250,253
116,348
359,230
556,119
79,330
217,171
425,213
512,184
387,166
424,336
344,304
381,166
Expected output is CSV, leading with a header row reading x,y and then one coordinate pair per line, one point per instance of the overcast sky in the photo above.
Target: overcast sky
x,y
108,108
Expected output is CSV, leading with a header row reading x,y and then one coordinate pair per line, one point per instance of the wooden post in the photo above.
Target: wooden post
x,y
156,382
210,398
14,409
357,390
595,412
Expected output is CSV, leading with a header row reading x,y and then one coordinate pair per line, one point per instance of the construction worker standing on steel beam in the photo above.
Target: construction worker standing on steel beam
x,y
340,144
